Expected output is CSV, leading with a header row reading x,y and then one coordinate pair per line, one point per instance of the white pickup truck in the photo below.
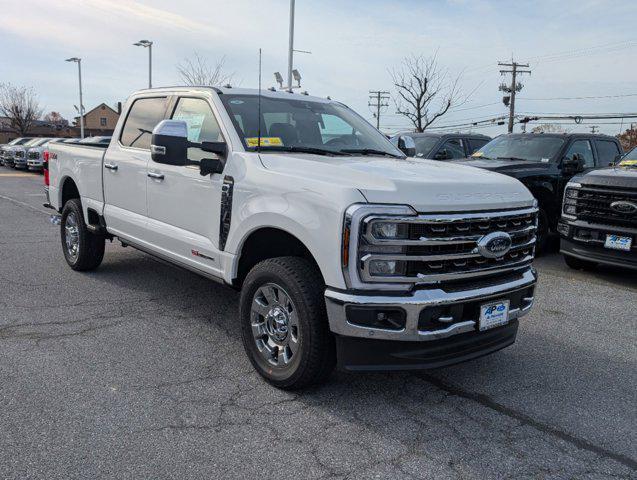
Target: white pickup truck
x,y
345,250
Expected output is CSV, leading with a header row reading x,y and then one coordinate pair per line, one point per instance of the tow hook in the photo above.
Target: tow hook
x,y
55,219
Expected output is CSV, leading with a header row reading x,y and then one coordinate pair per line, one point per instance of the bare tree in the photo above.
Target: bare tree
x,y
424,90
197,71
628,139
21,106
55,119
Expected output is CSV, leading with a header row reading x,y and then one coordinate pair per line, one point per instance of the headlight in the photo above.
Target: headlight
x,y
570,209
572,193
389,231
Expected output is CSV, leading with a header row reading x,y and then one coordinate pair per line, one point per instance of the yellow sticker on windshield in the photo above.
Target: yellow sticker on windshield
x,y
265,141
628,163
477,154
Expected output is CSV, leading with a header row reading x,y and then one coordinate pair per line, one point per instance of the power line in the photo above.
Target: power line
x,y
584,98
378,100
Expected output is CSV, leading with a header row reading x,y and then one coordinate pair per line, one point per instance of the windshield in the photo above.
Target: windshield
x,y
424,145
34,142
311,126
20,141
534,149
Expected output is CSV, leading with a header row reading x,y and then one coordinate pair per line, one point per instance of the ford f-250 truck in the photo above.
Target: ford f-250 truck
x,y
343,249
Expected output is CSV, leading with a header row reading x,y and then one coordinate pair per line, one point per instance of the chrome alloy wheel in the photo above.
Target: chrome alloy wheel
x,y
275,325
72,235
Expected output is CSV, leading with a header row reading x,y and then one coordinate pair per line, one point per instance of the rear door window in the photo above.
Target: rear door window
x,y
143,116
607,152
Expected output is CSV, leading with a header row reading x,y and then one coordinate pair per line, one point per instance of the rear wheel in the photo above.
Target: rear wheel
x,y
579,264
83,250
284,323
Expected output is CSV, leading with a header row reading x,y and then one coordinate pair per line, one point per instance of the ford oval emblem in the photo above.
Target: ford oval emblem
x,y
624,207
494,245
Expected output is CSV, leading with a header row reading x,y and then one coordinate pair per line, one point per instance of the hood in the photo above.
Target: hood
x,y
508,167
426,185
621,177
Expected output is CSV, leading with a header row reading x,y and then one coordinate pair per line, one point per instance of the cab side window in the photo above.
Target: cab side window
x,y
202,124
607,152
454,148
583,147
143,116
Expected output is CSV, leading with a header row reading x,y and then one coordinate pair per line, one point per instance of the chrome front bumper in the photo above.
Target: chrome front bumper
x,y
414,303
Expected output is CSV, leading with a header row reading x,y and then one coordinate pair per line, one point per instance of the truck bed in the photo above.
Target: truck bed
x,y
83,162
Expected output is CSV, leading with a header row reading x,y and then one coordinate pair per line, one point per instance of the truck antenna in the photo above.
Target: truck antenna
x,y
259,109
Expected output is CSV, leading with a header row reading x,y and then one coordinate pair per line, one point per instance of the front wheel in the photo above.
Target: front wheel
x,y
83,250
284,323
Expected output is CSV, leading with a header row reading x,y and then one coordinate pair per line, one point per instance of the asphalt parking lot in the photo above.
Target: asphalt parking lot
x,y
136,370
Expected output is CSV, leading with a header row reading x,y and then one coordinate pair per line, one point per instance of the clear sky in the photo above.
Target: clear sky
x,y
576,48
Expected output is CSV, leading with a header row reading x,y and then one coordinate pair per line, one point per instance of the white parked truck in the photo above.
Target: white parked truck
x,y
345,251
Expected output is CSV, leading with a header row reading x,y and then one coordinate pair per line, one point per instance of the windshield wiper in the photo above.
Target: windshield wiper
x,y
313,150
519,159
369,151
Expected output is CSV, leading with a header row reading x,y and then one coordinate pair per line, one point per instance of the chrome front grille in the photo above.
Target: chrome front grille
x,y
19,154
33,155
594,205
445,247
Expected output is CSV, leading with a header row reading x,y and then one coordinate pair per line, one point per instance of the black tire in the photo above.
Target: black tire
x,y
315,356
90,247
579,264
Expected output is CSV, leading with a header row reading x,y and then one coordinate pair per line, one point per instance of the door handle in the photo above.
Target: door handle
x,y
110,166
157,176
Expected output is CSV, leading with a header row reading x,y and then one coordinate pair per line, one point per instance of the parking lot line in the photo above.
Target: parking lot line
x,y
16,175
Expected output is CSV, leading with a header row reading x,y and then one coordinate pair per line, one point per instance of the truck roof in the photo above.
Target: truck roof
x,y
265,93
560,135
447,134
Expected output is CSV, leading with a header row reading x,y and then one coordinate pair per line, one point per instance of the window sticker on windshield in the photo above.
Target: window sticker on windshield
x,y
237,102
628,163
546,160
265,141
477,154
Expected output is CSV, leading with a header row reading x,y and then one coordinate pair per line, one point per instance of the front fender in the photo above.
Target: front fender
x,y
316,221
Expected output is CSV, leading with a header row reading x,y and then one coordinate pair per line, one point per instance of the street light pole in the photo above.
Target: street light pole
x,y
148,44
291,46
79,73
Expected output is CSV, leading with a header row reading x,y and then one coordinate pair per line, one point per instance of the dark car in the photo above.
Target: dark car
x,y
599,217
441,146
545,163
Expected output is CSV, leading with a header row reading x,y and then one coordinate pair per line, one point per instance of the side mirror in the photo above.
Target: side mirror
x,y
442,155
574,165
407,145
169,144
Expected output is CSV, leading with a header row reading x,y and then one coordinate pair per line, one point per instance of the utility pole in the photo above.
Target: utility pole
x,y
513,88
594,129
378,100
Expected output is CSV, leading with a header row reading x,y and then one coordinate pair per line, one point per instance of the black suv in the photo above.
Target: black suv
x,y
441,146
599,217
545,163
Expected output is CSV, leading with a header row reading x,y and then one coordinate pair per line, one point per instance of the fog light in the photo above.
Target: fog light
x,y
386,268
563,229
371,317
